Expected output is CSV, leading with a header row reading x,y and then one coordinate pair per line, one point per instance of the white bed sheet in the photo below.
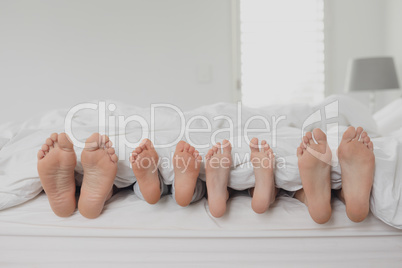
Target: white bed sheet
x,y
127,216
132,231
23,140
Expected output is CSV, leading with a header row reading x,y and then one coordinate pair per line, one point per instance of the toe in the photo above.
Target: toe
x,y
299,151
265,146
215,148
109,144
114,158
309,135
93,142
366,140
64,141
359,131
196,154
371,146
148,144
180,146
45,147
105,140
363,136
319,136
54,137
133,156
349,134
110,150
219,147
49,142
254,145
186,147
227,147
191,150
209,154
41,154
267,149
311,141
138,150
305,142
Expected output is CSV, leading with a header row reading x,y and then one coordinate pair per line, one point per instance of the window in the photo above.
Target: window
x,y
282,51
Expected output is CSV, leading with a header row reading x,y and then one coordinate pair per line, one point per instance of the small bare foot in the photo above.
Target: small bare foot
x,y
217,168
357,162
186,164
100,167
144,161
56,163
314,167
263,162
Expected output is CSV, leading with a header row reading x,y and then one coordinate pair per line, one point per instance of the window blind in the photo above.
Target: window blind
x,y
282,51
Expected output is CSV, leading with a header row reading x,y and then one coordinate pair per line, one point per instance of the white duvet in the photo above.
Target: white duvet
x,y
19,143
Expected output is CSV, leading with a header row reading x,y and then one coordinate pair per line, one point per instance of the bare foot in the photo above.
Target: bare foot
x,y
217,168
100,167
314,167
144,161
56,163
263,162
357,162
186,163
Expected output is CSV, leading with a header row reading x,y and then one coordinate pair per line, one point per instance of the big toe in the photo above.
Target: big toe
x,y
349,134
94,141
64,141
227,147
319,136
180,146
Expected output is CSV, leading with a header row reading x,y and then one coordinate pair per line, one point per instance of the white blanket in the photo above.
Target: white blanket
x,y
19,143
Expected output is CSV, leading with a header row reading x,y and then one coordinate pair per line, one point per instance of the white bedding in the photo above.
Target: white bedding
x,y
19,181
131,231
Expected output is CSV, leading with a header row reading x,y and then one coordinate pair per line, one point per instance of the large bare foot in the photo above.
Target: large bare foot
x,y
217,169
357,162
144,161
56,163
100,167
186,164
314,167
263,162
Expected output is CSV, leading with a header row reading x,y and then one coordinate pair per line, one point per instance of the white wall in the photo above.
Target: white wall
x,y
393,32
361,28
354,28
59,53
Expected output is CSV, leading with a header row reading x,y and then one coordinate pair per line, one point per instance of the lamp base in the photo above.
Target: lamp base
x,y
372,102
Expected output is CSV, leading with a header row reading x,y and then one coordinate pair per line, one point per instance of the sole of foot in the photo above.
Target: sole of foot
x,y
99,162
357,162
56,164
144,162
263,161
186,164
217,169
314,167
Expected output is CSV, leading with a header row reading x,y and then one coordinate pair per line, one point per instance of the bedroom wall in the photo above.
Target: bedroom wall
x,y
361,28
353,29
393,32
59,53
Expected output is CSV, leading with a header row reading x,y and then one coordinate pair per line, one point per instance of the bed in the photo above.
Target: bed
x,y
130,231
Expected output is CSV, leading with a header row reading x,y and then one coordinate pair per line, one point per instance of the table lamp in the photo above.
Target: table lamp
x,y
371,75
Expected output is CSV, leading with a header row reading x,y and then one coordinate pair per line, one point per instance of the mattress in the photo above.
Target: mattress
x,y
131,231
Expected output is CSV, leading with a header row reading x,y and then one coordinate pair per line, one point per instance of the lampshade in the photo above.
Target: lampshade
x,y
369,74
